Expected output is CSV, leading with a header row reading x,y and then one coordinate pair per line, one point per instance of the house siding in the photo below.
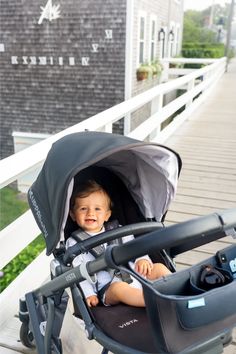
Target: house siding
x,y
44,86
48,97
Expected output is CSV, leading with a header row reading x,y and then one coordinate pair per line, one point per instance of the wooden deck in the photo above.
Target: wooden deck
x,y
207,145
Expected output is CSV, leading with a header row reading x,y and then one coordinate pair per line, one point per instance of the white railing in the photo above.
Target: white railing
x,y
22,231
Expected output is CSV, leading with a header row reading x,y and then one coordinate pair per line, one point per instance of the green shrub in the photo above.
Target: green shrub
x,y
11,207
148,71
20,262
144,72
156,67
202,50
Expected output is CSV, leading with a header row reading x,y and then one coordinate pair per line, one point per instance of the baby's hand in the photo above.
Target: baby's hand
x,y
143,267
92,300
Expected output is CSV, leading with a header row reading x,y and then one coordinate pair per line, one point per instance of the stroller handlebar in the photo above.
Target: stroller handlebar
x,y
206,229
178,237
108,236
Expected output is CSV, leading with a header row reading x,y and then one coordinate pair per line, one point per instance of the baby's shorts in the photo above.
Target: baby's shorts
x,y
102,292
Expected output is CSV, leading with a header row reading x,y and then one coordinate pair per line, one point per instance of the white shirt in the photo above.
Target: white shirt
x,y
103,276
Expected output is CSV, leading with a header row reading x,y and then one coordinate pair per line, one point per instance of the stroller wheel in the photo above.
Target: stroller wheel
x,y
26,336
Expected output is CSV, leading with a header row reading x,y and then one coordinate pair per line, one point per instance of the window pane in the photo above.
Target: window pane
x,y
152,51
153,30
142,28
141,52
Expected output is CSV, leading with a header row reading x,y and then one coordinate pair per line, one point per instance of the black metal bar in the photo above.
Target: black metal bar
x,y
203,228
49,326
34,320
133,229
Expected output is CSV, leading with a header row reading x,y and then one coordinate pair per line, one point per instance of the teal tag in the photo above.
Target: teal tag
x,y
196,303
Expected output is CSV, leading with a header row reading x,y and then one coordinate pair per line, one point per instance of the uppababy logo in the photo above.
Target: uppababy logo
x,y
49,12
38,213
128,323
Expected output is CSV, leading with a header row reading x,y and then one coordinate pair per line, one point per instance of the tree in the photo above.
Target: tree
x,y
205,26
195,30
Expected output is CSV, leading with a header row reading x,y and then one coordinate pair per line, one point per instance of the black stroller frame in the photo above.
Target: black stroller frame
x,y
179,318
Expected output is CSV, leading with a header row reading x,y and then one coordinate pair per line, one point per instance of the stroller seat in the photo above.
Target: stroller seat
x,y
126,325
129,326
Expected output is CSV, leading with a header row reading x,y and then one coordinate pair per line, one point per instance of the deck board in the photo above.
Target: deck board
x,y
206,143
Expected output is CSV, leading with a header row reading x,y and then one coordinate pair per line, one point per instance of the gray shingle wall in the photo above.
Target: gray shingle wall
x,y
43,92
44,86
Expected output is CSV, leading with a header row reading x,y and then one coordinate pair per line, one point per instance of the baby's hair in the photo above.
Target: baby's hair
x,y
87,188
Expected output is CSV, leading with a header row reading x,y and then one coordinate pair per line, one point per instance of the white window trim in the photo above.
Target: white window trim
x,y
142,14
153,18
39,136
177,39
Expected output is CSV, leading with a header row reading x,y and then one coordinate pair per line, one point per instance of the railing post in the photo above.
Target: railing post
x,y
127,123
165,72
207,76
190,86
156,106
108,128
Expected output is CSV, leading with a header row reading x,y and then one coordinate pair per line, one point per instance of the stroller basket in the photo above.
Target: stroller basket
x,y
178,308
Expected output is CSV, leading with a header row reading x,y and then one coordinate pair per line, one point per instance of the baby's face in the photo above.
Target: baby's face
x,y
92,211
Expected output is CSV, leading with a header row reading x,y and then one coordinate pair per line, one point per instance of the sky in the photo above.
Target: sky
x,y
202,4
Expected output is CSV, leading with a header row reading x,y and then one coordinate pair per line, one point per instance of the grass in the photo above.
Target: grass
x,y
11,207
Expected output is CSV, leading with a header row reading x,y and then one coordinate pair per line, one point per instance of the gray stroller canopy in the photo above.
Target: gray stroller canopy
x,y
148,170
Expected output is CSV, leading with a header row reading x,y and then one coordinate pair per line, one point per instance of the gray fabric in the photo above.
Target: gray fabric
x,y
148,170
150,173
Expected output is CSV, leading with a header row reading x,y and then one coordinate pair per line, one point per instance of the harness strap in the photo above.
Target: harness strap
x,y
97,251
85,274
80,235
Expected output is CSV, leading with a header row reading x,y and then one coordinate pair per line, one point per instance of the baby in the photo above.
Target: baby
x,y
90,209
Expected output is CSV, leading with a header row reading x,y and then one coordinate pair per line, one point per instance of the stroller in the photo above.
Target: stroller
x,y
181,315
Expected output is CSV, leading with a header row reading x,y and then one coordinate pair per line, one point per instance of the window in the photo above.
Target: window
x,y
141,38
174,39
177,39
153,39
